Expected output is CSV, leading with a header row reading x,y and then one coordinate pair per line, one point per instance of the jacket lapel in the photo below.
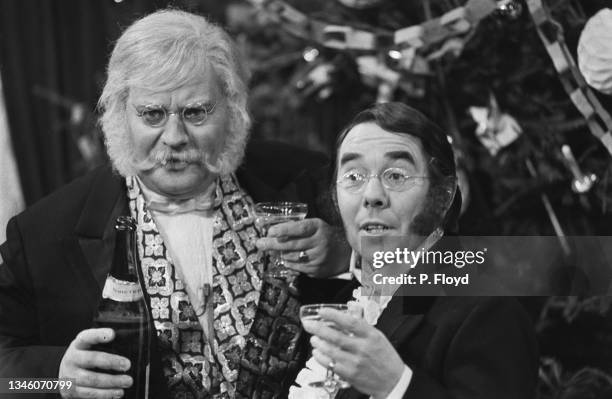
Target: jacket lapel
x,y
92,243
396,324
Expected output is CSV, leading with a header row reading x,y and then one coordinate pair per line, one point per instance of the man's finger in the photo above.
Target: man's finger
x,y
321,357
273,244
330,334
335,352
85,392
342,367
302,228
300,267
305,256
102,360
342,324
93,336
92,379
324,359
344,320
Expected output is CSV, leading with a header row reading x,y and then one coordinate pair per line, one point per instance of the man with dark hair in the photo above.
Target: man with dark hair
x,y
389,161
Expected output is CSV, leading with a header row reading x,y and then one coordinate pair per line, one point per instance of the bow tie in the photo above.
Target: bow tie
x,y
173,207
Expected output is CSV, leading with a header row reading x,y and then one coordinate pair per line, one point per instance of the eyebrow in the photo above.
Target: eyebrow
x,y
162,104
349,156
393,155
405,155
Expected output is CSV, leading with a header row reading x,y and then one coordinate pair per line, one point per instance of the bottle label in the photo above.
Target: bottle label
x,y
121,291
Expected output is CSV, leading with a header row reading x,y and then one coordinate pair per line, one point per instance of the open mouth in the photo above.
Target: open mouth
x,y
374,228
173,164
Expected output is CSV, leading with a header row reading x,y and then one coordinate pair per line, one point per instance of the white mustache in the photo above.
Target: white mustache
x,y
163,157
189,156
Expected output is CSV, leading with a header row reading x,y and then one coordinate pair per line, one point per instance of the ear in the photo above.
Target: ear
x,y
445,196
453,208
448,192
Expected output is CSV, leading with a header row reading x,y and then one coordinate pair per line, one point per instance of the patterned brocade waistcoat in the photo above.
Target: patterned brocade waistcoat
x,y
256,350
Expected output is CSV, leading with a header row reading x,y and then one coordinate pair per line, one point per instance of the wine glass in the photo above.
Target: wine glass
x,y
270,213
332,382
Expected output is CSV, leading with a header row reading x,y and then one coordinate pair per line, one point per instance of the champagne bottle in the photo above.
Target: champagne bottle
x,y
124,309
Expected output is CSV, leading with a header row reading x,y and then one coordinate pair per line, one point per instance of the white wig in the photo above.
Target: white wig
x,y
163,51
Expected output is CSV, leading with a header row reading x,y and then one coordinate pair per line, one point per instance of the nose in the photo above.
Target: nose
x,y
174,134
374,194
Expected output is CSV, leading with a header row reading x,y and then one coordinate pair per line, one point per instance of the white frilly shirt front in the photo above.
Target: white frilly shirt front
x,y
372,309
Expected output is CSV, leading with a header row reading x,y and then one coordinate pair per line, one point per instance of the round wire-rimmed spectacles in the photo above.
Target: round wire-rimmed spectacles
x,y
156,115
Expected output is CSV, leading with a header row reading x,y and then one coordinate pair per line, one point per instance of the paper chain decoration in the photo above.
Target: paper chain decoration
x,y
454,23
551,33
413,47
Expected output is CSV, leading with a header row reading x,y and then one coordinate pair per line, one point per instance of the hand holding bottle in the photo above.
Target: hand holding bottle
x,y
87,367
124,312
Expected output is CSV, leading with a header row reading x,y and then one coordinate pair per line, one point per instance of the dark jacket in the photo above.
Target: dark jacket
x,y
462,347
459,347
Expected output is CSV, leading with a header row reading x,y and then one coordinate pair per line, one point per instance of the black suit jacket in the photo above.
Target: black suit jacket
x,y
461,347
56,258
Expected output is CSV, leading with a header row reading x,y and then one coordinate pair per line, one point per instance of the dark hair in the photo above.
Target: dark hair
x,y
398,118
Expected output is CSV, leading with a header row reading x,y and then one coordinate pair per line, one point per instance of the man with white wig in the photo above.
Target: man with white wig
x,y
176,125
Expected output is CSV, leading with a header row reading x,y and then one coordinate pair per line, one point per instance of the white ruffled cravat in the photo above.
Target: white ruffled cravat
x,y
170,206
312,372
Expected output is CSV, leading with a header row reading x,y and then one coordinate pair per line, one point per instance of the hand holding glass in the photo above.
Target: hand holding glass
x,y
332,382
269,214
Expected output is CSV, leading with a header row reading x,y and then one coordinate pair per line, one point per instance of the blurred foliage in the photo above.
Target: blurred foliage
x,y
586,383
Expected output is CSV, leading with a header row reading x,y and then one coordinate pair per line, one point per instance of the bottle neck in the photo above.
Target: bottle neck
x,y
125,260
